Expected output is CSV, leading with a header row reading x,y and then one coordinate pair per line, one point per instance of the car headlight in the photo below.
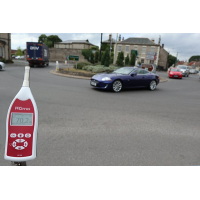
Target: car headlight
x,y
183,71
106,79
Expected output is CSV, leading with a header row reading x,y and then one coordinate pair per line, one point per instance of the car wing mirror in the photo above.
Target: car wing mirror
x,y
134,74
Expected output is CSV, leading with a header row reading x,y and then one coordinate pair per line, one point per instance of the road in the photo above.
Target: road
x,y
81,126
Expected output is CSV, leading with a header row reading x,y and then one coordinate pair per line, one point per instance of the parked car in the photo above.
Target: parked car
x,y
184,69
19,57
2,65
175,73
125,77
192,71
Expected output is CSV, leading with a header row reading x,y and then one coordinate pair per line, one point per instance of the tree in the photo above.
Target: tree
x,y
171,60
42,38
96,56
95,48
194,58
49,40
103,58
19,52
53,39
132,61
127,59
120,59
107,58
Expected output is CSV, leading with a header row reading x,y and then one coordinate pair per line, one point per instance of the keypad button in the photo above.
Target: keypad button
x,y
13,135
20,135
27,135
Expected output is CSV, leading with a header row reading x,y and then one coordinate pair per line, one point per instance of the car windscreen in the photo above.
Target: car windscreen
x,y
175,70
124,70
182,67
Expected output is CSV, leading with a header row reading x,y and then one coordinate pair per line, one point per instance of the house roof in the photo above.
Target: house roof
x,y
191,63
75,41
134,40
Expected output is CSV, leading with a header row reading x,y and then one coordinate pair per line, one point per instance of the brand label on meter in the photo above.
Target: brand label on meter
x,y
20,129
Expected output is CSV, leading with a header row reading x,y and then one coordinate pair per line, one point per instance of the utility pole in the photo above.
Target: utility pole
x,y
115,50
100,47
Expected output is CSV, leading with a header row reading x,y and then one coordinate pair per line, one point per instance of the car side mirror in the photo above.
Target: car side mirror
x,y
134,74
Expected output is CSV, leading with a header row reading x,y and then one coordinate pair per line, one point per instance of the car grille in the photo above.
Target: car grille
x,y
94,80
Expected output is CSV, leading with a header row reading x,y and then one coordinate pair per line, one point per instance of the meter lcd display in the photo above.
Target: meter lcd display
x,y
22,119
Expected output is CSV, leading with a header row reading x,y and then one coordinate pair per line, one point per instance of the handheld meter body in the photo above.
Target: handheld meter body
x,y
22,125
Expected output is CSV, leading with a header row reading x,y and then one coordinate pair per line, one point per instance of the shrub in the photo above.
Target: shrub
x,y
120,59
107,58
80,65
132,61
103,58
99,68
127,59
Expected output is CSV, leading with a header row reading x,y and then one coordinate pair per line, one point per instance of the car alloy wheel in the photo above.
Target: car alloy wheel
x,y
152,85
117,86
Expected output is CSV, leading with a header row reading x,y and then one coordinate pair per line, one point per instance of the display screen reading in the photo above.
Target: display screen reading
x,y
22,119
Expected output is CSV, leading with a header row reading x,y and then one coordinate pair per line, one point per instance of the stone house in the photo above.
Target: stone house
x,y
148,52
5,45
73,44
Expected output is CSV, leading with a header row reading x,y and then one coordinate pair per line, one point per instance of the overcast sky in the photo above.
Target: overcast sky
x,y
186,44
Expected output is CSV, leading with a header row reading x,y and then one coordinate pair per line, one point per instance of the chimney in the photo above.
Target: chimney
x,y
163,46
119,37
110,36
123,39
153,40
159,39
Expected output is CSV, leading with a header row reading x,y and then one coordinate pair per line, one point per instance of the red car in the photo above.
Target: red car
x,y
175,73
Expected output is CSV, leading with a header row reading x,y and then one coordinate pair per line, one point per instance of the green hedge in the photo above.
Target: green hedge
x,y
6,61
80,65
99,68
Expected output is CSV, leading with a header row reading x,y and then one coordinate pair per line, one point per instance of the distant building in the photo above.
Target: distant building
x,y
5,45
106,43
148,52
73,44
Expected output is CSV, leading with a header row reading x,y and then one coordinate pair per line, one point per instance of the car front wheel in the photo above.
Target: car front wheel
x,y
117,86
152,85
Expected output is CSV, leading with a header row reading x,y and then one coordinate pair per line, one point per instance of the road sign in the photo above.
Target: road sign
x,y
71,57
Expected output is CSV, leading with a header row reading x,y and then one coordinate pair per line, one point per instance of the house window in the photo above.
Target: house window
x,y
127,49
142,61
119,48
151,61
143,50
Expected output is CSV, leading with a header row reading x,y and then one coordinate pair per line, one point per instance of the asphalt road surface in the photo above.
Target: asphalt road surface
x,y
79,125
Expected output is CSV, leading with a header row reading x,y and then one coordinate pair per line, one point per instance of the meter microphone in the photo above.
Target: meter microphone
x,y
22,125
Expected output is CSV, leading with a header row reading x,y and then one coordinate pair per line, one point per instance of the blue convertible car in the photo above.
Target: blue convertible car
x,y
125,77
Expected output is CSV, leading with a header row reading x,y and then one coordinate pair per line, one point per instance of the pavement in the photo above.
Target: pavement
x,y
162,79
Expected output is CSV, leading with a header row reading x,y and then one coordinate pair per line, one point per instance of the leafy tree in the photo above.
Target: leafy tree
x,y
111,57
120,59
53,39
94,48
171,60
107,58
87,53
127,59
19,52
194,58
96,56
103,58
42,38
132,61
92,59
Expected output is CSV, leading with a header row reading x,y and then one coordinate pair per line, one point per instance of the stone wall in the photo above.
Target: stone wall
x,y
163,59
61,54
